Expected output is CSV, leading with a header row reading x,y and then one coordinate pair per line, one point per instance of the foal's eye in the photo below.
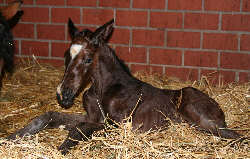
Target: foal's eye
x,y
88,60
10,43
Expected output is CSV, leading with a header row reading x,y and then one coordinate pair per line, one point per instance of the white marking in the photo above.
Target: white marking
x,y
75,50
58,90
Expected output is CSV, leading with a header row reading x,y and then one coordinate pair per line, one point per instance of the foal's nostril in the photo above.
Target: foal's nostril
x,y
66,98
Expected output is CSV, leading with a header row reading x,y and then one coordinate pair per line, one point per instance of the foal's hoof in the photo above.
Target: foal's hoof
x,y
63,150
11,137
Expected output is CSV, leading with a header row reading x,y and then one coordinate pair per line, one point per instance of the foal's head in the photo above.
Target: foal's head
x,y
82,60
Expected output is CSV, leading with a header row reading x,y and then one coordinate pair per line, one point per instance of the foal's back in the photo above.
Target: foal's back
x,y
151,108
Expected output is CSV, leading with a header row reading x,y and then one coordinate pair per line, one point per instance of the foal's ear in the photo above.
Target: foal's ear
x,y
104,32
73,31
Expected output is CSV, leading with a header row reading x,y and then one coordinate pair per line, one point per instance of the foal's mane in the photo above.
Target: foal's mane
x,y
111,53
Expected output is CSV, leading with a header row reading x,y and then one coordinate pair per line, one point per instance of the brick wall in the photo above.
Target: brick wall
x,y
182,38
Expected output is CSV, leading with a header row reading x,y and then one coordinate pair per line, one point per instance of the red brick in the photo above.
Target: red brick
x,y
244,77
185,74
23,31
58,49
166,20
147,69
84,3
222,5
35,14
165,57
245,42
131,18
216,77
236,22
152,4
50,2
25,2
235,61
201,21
201,58
97,16
51,32
61,15
220,41
246,6
35,48
115,3
134,54
185,5
148,37
120,36
16,43
28,2
183,39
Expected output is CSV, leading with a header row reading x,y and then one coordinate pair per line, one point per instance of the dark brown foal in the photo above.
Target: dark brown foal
x,y
115,93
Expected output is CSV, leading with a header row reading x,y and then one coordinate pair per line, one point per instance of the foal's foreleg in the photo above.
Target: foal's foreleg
x,y
81,132
49,120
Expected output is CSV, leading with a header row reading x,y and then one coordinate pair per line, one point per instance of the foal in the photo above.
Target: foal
x,y
9,17
115,92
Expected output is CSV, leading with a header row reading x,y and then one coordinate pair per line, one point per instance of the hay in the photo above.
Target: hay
x,y
31,92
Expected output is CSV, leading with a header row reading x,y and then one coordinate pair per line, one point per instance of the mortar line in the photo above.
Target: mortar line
x,y
50,15
241,5
237,78
239,42
183,58
165,38
147,57
81,16
97,3
201,40
19,47
220,22
166,5
218,60
131,4
50,52
203,6
114,15
199,73
149,18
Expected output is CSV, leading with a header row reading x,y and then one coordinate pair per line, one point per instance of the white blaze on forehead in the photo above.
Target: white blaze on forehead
x,y
75,49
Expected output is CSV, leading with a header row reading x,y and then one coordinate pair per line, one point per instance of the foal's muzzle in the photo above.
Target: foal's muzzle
x,y
66,98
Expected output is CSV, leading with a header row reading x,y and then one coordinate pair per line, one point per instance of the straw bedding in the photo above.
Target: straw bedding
x,y
31,91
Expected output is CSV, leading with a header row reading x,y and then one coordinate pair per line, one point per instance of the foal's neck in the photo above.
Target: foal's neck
x,y
110,70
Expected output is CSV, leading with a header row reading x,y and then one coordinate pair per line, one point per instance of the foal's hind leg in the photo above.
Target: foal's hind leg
x,y
81,132
198,108
49,120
